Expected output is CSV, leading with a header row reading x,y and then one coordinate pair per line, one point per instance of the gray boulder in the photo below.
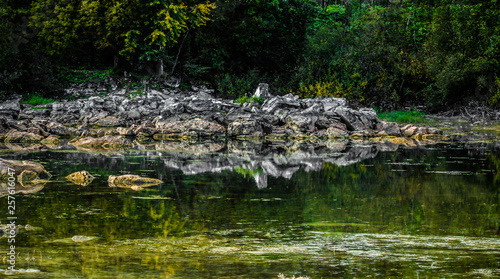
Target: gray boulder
x,y
57,129
288,101
281,114
172,109
314,109
111,121
200,106
388,129
358,120
337,130
240,113
192,127
10,108
246,128
133,114
324,122
301,123
331,104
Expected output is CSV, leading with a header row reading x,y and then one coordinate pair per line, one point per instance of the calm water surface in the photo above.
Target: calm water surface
x,y
258,210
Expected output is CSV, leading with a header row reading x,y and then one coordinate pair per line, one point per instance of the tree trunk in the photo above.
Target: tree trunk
x,y
159,72
178,53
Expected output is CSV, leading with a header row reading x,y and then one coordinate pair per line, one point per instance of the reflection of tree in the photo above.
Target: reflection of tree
x,y
494,163
423,195
410,191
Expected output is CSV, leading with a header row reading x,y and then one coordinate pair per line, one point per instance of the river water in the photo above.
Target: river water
x,y
356,209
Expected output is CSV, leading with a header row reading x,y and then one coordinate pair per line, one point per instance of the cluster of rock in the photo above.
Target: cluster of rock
x,y
30,177
132,181
171,114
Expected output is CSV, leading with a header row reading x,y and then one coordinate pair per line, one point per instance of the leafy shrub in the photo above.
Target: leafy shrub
x,y
411,116
245,99
35,99
233,86
69,76
494,99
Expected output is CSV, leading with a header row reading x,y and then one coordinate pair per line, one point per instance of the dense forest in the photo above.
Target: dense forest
x,y
384,53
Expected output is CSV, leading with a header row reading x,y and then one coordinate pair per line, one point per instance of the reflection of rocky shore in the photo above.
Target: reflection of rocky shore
x,y
263,159
273,160
259,159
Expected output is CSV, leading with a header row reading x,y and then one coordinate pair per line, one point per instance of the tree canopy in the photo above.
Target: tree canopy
x,y
380,53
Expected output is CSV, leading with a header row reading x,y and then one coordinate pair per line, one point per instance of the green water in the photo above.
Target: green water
x,y
258,210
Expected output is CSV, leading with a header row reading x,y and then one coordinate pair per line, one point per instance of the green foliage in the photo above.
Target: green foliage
x,y
245,99
436,53
407,116
23,68
35,99
253,34
233,86
494,99
82,76
462,54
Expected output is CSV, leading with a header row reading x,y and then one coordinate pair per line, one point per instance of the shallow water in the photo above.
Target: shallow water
x,y
261,209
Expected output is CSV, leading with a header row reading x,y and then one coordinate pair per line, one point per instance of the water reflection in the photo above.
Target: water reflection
x,y
258,209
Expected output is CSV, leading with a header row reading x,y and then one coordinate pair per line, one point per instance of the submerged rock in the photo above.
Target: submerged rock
x,y
101,141
82,178
412,130
132,181
50,140
18,136
22,170
83,238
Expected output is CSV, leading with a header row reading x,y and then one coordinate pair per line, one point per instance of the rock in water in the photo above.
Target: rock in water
x,y
23,170
132,181
82,238
102,141
23,137
82,178
388,129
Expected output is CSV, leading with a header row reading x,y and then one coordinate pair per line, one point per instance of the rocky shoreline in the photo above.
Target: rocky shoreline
x,y
170,114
